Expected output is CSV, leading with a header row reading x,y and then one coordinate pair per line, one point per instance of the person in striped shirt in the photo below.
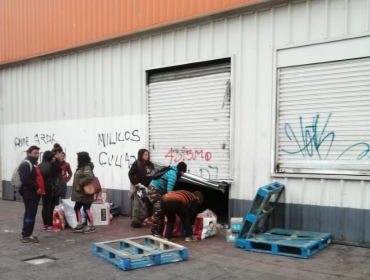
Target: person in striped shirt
x,y
185,205
159,187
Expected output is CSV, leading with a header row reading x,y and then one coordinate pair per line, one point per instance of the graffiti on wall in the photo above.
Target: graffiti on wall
x,y
116,138
37,139
176,156
312,140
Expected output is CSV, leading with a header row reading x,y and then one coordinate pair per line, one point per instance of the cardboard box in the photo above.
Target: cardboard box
x,y
100,214
104,195
231,236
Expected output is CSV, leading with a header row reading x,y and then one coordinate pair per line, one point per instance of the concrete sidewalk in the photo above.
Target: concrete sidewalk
x,y
208,259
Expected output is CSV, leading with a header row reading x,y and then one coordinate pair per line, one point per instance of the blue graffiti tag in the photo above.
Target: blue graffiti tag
x,y
312,139
312,142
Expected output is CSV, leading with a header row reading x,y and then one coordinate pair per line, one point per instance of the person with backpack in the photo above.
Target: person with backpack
x,y
159,187
185,205
30,192
51,172
138,175
83,175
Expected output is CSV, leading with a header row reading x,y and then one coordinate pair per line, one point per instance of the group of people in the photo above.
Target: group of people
x,y
49,180
162,201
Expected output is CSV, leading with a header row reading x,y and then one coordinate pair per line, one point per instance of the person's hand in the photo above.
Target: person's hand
x,y
38,191
78,188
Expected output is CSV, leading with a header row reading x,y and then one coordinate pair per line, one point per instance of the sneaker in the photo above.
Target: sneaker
x,y
79,228
156,233
169,240
150,220
44,227
90,230
53,229
191,239
30,239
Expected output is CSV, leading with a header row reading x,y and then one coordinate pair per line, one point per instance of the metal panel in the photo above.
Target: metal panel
x,y
189,119
331,133
36,27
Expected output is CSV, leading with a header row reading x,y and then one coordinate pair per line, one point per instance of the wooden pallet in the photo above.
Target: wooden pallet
x,y
292,243
137,252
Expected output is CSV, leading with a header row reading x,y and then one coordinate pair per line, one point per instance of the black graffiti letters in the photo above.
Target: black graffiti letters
x,y
107,139
20,142
104,159
44,138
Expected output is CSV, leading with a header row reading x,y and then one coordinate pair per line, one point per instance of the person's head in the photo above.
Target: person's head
x,y
83,159
57,150
47,156
62,157
181,168
33,151
199,197
143,155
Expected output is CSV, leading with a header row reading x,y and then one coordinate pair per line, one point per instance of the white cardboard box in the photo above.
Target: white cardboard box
x,y
100,214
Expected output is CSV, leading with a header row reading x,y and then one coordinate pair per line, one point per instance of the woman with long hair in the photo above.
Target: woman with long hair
x,y
83,176
66,174
51,173
138,174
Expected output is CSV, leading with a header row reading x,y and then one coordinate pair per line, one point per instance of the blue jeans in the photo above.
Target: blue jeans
x,y
29,217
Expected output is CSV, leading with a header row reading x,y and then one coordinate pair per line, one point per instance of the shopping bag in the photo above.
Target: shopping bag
x,y
59,220
138,212
69,212
177,228
205,224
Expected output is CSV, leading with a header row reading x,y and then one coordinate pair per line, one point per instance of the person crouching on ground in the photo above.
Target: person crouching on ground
x,y
51,173
159,187
82,177
185,205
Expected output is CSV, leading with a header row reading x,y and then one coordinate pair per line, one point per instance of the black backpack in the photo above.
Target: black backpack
x,y
158,173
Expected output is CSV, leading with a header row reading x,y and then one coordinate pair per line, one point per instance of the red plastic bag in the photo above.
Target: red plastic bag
x,y
59,220
177,229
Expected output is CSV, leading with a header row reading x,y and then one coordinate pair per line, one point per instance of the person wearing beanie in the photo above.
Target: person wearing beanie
x,y
159,187
185,205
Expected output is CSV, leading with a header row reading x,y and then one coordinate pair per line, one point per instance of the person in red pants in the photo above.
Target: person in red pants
x,y
185,205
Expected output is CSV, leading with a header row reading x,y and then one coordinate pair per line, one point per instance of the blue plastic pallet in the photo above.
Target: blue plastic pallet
x,y
260,210
137,252
292,243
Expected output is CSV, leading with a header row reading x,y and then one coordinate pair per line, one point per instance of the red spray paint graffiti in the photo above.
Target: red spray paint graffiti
x,y
187,155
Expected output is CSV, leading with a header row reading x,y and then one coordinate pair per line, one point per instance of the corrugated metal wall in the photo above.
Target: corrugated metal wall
x,y
109,81
34,27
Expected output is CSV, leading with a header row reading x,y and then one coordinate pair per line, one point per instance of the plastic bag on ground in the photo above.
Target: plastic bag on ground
x,y
59,220
205,224
69,212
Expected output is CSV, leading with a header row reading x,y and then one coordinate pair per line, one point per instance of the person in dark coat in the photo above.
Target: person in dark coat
x,y
138,174
83,176
51,172
30,192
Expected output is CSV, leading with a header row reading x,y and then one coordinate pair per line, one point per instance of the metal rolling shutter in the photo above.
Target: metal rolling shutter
x,y
189,118
324,118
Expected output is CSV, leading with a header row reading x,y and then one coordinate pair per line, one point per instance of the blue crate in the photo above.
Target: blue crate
x,y
140,252
292,243
260,210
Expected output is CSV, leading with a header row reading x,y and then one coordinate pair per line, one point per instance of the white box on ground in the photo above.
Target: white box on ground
x,y
100,214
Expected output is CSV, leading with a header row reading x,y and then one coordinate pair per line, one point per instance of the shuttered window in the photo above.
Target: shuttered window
x,y
189,118
324,118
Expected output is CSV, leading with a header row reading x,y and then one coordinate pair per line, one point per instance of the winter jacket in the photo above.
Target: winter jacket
x,y
66,169
166,183
139,170
82,177
50,171
28,178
